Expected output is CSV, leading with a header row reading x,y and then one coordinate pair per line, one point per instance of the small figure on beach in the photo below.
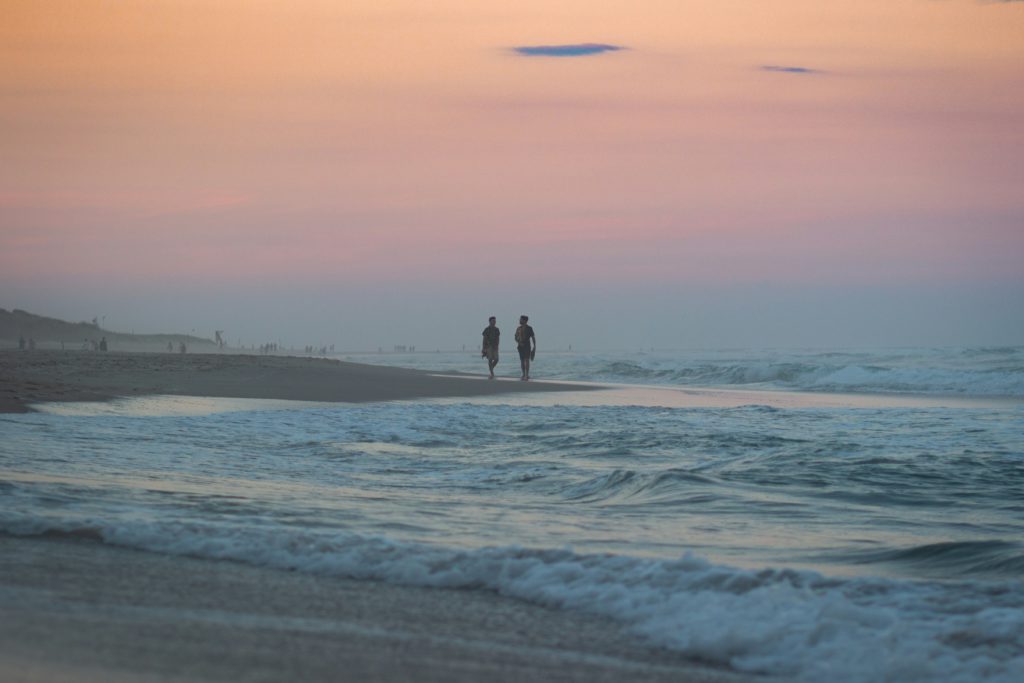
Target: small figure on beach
x,y
103,344
182,348
492,337
21,342
527,351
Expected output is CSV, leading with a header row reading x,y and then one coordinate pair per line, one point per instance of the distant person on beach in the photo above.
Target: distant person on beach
x,y
492,335
21,342
103,344
526,343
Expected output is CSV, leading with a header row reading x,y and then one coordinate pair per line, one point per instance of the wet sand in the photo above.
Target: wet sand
x,y
43,376
77,610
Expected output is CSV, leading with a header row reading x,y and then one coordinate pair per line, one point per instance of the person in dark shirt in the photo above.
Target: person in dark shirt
x,y
526,343
492,335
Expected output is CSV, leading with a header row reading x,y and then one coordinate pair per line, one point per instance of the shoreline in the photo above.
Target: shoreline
x,y
80,610
44,376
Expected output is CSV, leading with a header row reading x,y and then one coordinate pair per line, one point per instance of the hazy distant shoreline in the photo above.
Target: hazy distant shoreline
x,y
40,376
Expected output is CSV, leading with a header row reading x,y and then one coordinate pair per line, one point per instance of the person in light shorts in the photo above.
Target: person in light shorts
x,y
526,343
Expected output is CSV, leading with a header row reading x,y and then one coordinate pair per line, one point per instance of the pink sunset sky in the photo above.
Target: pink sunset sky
x,y
664,173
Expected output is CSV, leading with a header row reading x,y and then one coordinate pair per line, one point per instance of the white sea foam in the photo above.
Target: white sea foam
x,y
782,622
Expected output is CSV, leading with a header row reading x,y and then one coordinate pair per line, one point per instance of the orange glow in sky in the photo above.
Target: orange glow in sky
x,y
734,141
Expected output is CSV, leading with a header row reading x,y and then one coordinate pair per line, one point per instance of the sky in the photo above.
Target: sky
x,y
650,173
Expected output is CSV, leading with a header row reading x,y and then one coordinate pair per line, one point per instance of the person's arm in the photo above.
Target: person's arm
x,y
533,352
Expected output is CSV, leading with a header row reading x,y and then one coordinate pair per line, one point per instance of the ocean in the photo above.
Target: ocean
x,y
849,515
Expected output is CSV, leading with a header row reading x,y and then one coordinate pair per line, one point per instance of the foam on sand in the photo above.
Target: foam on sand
x,y
796,624
81,611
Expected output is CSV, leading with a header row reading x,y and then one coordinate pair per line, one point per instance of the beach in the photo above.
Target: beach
x,y
846,517
48,375
76,610
536,342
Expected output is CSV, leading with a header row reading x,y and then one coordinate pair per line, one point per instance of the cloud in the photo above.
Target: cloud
x,y
790,69
580,50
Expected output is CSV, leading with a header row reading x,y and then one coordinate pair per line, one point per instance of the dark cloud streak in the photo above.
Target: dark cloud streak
x,y
580,50
790,69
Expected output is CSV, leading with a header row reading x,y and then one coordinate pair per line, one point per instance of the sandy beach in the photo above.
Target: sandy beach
x,y
224,523
44,375
76,610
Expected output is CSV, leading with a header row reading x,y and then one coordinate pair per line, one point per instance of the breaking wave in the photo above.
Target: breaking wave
x,y
969,372
997,371
795,624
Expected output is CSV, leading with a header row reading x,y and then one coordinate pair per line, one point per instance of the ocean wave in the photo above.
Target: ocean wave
x,y
795,624
970,371
994,372
964,558
673,485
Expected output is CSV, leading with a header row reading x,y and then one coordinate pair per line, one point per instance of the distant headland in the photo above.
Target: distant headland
x,y
20,327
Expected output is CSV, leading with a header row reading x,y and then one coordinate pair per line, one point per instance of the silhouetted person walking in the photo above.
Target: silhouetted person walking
x,y
526,343
492,336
